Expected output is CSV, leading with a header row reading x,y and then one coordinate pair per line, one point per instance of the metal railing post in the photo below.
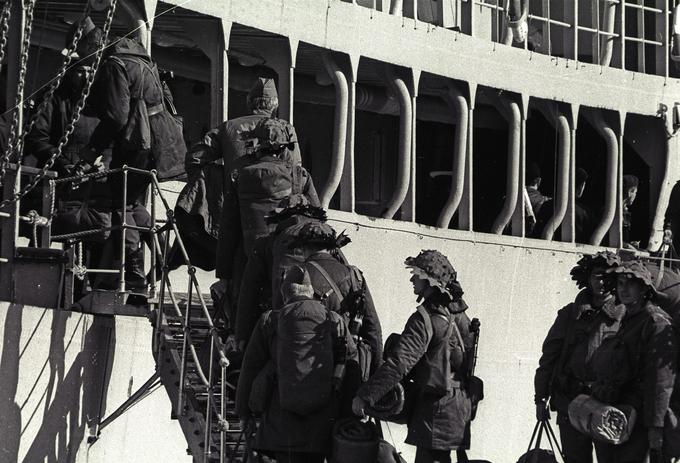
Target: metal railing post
x,y
154,248
123,225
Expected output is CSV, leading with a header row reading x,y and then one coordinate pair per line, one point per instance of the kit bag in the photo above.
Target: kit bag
x,y
355,441
604,423
304,352
535,454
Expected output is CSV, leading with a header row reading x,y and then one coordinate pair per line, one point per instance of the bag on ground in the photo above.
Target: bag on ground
x,y
355,441
535,454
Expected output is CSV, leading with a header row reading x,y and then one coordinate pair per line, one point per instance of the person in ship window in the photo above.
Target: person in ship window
x,y
577,331
637,367
533,180
583,217
440,416
630,188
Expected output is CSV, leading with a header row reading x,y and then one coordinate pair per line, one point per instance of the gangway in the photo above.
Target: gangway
x,y
194,363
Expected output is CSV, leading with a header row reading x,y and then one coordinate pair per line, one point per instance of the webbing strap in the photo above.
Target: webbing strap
x,y
328,278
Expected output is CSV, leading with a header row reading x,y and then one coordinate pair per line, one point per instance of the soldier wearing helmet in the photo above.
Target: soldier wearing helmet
x,y
437,349
578,330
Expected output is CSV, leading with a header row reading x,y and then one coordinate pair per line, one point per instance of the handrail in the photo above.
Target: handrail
x,y
460,105
512,175
217,348
340,128
611,190
400,88
562,190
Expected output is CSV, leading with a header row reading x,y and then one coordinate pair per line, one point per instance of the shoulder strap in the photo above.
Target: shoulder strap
x,y
428,322
328,278
456,331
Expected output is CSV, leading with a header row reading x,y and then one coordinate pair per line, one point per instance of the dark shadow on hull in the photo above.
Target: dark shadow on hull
x,y
10,414
73,398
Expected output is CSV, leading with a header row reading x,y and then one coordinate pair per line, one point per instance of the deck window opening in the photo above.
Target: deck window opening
x,y
541,171
591,166
644,157
376,140
490,148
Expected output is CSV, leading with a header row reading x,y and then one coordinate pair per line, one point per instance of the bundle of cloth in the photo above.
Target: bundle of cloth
x,y
600,421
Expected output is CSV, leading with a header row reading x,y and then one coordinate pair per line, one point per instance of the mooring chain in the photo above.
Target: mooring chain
x,y
56,81
4,28
76,113
14,129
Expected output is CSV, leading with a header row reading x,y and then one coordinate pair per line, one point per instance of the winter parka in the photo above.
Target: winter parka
x,y
638,367
281,430
562,371
437,423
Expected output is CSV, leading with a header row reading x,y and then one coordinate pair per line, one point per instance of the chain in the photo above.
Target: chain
x,y
56,81
76,113
4,28
14,130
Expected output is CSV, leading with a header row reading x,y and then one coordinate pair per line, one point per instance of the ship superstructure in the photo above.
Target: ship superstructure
x,y
417,120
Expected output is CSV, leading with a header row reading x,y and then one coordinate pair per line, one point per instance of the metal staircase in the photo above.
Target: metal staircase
x,y
197,407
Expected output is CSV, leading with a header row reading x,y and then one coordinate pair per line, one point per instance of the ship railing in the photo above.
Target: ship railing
x,y
607,28
207,375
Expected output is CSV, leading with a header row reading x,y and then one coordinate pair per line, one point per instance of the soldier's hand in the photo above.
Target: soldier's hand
x,y
542,411
655,437
88,154
358,406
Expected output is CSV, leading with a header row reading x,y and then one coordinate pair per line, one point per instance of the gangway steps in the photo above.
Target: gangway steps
x,y
192,417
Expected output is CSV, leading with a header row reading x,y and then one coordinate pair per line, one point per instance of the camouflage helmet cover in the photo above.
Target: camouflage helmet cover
x,y
581,272
435,268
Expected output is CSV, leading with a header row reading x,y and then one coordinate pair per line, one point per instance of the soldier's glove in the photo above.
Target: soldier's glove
x,y
358,407
542,411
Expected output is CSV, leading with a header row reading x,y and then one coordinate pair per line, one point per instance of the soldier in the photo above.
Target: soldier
x,y
259,182
199,205
571,341
130,101
637,366
442,409
292,380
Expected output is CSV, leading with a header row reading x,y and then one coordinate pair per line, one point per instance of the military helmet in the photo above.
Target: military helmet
x,y
634,269
581,272
435,268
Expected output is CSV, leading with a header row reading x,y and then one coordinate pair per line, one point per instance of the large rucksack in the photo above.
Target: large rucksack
x,y
261,187
155,128
306,347
352,308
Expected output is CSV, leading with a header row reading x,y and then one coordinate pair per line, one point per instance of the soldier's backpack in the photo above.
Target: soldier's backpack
x,y
156,128
306,346
261,187
352,309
